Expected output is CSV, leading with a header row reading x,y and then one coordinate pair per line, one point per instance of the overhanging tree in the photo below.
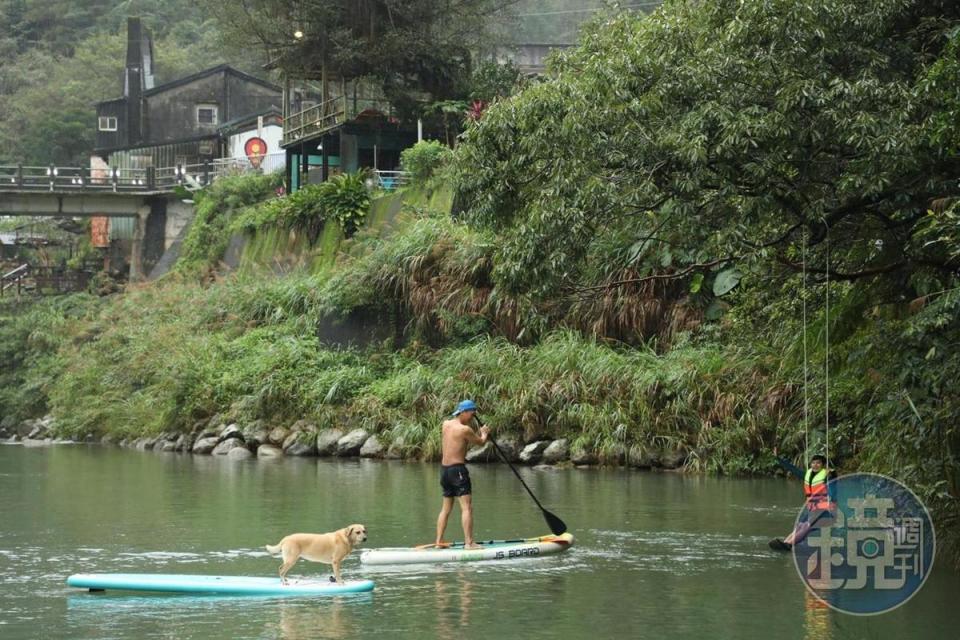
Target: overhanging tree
x,y
718,134
409,47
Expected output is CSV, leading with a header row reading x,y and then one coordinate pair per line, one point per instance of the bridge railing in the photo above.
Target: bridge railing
x,y
151,179
60,179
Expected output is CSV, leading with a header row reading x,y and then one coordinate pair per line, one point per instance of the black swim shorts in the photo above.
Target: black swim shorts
x,y
455,481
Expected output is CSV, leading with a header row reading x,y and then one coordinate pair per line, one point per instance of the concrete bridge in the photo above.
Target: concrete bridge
x,y
148,196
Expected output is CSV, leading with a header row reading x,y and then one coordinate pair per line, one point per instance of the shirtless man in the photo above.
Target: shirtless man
x,y
454,477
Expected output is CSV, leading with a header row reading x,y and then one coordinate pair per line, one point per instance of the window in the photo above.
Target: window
x,y
107,123
207,114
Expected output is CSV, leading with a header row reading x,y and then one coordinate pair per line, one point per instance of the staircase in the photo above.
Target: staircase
x,y
13,282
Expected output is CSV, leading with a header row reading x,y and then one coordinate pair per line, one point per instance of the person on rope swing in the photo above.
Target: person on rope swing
x,y
820,497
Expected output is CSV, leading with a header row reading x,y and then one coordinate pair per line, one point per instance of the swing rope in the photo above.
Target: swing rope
x,y
806,402
826,363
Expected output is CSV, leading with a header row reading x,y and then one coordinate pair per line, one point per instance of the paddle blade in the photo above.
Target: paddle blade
x,y
556,525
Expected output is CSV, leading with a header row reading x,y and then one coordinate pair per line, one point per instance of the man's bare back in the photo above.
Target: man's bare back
x,y
456,438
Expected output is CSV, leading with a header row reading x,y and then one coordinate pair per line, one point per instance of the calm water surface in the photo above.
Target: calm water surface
x,y
657,555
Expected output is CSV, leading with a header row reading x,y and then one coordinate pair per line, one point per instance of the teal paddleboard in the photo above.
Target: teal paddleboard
x,y
232,585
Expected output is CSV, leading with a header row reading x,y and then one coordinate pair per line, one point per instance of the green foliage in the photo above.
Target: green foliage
x,y
31,335
216,207
249,348
726,131
343,199
424,159
346,199
492,80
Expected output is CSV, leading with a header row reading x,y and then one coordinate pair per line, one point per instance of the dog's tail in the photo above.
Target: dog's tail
x,y
273,549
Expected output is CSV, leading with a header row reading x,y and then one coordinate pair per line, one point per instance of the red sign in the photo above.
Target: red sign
x,y
255,148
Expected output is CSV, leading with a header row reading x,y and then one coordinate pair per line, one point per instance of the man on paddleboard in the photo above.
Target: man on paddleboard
x,y
458,435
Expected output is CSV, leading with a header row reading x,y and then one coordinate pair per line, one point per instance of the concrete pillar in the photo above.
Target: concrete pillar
x,y
136,245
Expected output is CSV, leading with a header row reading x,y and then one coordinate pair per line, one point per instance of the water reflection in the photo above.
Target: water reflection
x,y
817,618
329,618
293,619
454,598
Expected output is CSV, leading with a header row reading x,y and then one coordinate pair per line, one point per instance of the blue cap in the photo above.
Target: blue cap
x,y
465,405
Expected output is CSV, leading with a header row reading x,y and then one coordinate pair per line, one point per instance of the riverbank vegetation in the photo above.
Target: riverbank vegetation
x,y
708,232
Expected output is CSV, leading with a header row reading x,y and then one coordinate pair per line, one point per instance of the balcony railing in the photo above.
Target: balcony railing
x,y
314,120
391,180
328,115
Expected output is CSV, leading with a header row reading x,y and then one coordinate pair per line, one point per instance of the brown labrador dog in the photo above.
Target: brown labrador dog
x,y
330,548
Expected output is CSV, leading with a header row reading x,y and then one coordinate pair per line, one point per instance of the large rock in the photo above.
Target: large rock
x,y
278,435
581,456
9,423
207,433
166,445
25,427
674,458
327,442
227,446
184,443
300,443
643,457
558,451
397,449
239,453
269,451
200,426
230,431
255,434
615,454
350,444
38,432
303,425
484,453
510,447
204,445
372,448
144,444
532,453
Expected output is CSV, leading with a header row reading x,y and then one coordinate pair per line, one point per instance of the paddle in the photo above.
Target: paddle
x,y
556,525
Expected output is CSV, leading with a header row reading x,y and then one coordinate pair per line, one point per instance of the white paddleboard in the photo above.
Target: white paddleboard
x,y
490,550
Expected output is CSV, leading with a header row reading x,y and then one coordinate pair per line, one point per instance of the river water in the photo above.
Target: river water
x,y
657,555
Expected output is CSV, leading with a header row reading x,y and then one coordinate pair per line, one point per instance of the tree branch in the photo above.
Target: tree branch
x,y
659,276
